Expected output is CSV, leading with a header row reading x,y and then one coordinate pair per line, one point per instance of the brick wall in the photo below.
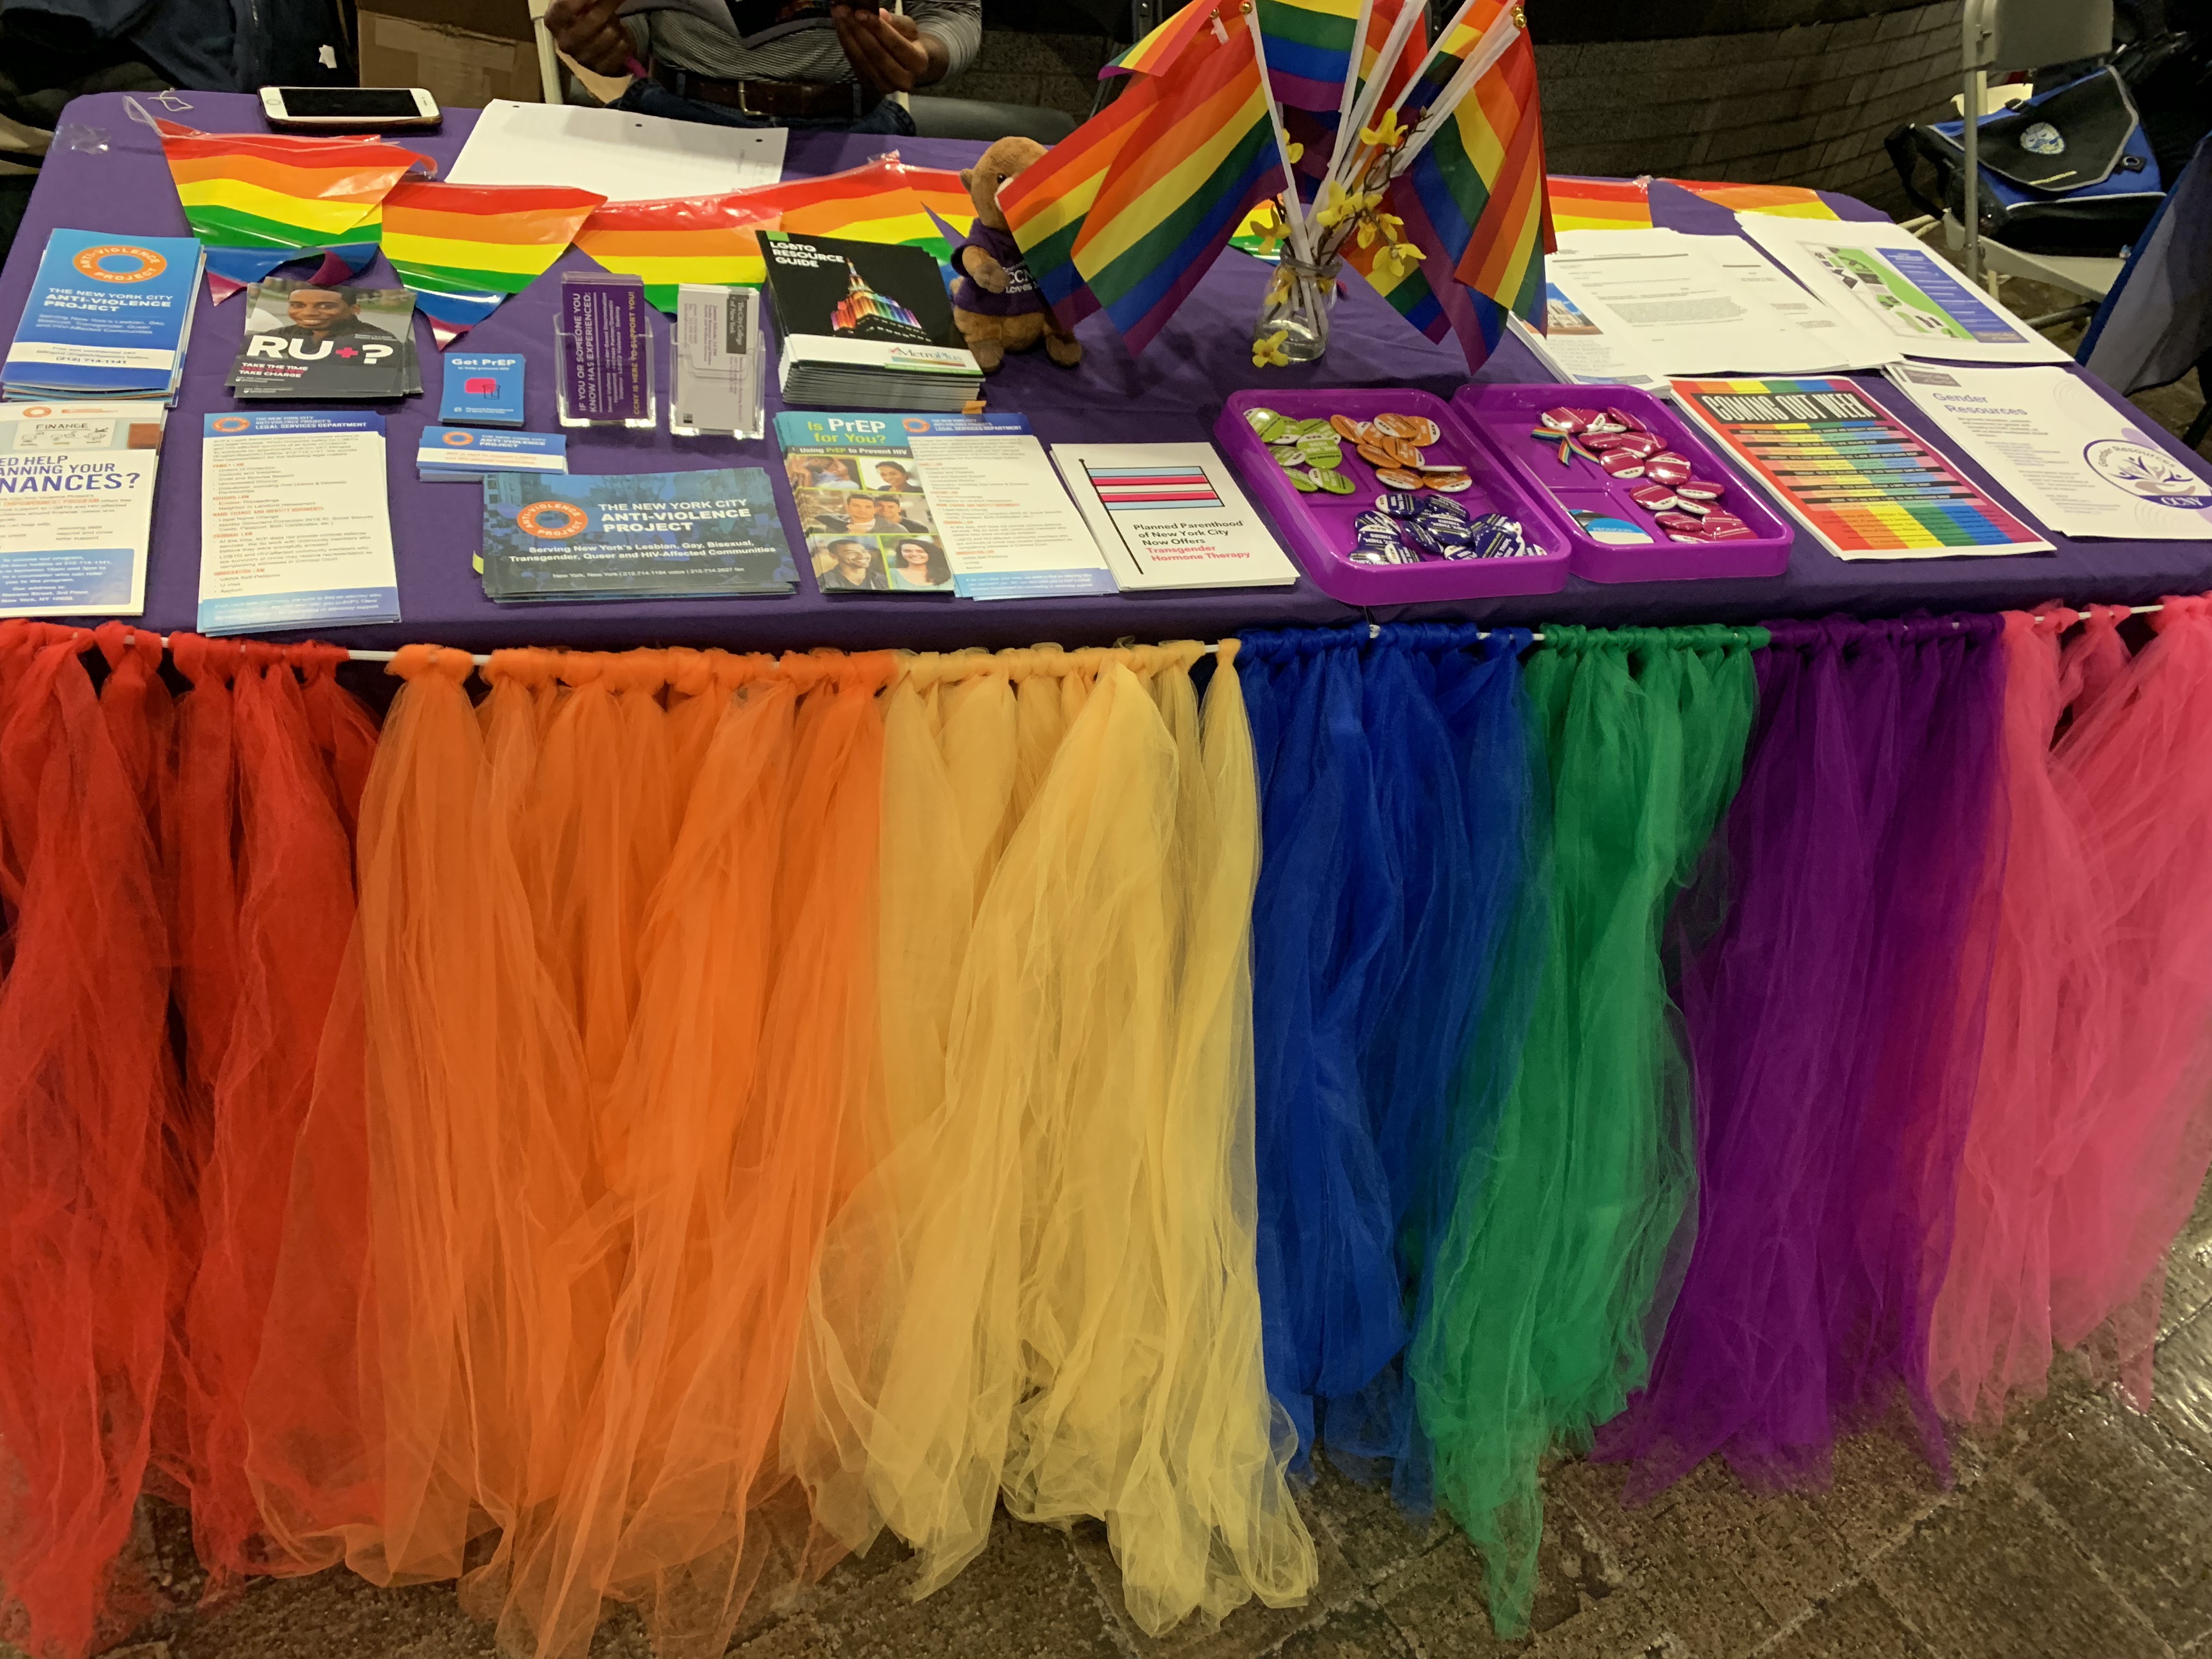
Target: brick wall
x,y
1809,105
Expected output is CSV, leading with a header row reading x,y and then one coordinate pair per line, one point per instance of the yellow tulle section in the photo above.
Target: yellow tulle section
x,y
1045,1290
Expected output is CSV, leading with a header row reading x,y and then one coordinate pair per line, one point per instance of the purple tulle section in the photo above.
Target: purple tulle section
x,y
1835,962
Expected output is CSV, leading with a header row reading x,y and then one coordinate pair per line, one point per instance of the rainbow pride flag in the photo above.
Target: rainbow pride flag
x,y
1130,210
1598,204
1785,201
464,248
259,200
715,239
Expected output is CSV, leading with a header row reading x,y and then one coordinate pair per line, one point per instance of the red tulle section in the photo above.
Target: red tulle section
x,y
177,884
290,887
86,1078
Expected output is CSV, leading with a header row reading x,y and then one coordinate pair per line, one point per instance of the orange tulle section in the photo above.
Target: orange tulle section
x,y
603,1059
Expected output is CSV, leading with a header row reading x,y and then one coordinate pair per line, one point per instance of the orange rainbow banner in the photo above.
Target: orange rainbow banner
x,y
464,248
1599,204
1786,201
715,239
259,200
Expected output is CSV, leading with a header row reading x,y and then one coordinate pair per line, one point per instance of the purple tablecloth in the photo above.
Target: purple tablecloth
x,y
1173,392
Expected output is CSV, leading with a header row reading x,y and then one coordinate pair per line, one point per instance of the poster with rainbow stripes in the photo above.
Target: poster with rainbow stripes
x,y
1851,472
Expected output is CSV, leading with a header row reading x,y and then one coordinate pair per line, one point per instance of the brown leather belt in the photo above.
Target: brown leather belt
x,y
806,100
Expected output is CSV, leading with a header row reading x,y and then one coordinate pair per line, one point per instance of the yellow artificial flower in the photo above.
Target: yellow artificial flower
x,y
1337,208
1296,152
1269,353
1397,259
1280,288
1386,132
1367,232
1389,224
1270,227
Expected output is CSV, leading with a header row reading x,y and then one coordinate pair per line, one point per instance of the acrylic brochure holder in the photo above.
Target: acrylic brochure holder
x,y
603,339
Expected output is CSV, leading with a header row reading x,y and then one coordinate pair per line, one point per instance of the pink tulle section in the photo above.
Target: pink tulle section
x,y
2131,770
1990,1338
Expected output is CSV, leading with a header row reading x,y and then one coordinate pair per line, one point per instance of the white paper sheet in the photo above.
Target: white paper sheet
x,y
1896,292
2076,463
621,156
1170,515
1577,344
1702,305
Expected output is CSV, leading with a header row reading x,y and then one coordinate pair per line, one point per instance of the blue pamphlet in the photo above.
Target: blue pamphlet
x,y
481,390
448,453
634,536
107,317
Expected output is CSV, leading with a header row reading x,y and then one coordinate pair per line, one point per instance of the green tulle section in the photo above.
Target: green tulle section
x,y
1559,1262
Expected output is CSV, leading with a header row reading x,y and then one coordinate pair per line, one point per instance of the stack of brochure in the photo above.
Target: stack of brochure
x,y
639,535
108,317
295,530
332,343
961,504
866,326
451,454
76,501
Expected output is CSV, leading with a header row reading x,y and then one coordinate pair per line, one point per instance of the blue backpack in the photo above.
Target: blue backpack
x,y
2067,171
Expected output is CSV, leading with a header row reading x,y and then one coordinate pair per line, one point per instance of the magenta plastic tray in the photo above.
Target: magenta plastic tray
x,y
1502,417
1318,528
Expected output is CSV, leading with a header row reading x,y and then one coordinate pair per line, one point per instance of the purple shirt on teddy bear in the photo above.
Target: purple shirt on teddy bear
x,y
1021,296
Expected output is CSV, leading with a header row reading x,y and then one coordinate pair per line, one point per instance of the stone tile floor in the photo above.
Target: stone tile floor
x,y
2081,1530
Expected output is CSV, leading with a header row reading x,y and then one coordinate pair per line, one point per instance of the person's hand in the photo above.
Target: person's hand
x,y
588,32
887,50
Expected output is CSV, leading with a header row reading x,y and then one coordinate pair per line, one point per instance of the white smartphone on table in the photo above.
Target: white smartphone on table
x,y
350,109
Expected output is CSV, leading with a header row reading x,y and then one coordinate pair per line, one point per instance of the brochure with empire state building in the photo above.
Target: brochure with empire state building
x,y
865,325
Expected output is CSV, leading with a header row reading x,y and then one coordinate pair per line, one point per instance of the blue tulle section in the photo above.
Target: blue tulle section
x,y
1391,950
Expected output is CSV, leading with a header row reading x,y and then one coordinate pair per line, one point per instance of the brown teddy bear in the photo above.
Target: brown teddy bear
x,y
994,299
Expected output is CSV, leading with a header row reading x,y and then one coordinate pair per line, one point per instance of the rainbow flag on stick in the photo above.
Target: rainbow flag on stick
x,y
464,248
260,200
1473,198
714,239
1309,50
1126,213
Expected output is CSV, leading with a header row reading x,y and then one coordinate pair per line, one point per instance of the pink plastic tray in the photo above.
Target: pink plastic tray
x,y
1319,527
1502,417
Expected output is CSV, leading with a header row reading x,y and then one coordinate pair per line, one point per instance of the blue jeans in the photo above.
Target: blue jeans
x,y
651,98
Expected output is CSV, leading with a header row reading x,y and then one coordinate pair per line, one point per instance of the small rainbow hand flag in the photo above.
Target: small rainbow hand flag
x,y
464,248
259,200
1129,211
715,239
